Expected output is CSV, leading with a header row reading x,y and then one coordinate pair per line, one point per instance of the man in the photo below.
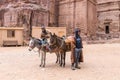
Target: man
x,y
76,50
44,36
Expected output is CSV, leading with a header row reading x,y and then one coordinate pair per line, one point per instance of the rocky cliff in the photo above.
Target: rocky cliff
x,y
23,13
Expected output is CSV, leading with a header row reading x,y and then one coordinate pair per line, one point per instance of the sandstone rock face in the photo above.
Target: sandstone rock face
x,y
91,16
78,13
52,13
108,15
24,13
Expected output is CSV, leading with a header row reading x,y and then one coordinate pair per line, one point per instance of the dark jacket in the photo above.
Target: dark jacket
x,y
78,40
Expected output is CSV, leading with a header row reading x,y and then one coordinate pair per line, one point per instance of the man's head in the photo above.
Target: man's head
x,y
77,30
43,28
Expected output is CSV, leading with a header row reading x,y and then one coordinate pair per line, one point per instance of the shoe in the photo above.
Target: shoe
x,y
77,67
72,67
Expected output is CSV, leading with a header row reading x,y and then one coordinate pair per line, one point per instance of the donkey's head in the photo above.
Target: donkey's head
x,y
53,39
31,44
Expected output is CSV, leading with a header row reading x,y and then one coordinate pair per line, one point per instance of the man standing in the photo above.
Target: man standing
x,y
77,50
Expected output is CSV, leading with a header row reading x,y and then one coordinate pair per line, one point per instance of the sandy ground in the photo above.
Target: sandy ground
x,y
101,62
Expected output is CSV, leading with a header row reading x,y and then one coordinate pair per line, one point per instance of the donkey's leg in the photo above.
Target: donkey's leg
x,y
44,58
57,57
41,59
64,59
39,52
61,56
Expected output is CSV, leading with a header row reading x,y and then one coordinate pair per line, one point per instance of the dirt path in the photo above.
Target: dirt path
x,y
101,62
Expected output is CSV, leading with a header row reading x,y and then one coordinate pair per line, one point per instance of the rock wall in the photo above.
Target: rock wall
x,y
78,13
52,13
24,13
108,12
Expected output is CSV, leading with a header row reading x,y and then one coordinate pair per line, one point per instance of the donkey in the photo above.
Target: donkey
x,y
58,44
34,42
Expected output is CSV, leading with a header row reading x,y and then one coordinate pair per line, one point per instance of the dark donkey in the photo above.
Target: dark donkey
x,y
58,45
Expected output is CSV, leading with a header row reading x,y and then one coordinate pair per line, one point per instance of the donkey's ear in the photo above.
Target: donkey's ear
x,y
50,34
54,34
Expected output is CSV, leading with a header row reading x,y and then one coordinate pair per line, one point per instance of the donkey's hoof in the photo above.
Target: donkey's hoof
x,y
63,65
60,65
56,62
40,65
43,66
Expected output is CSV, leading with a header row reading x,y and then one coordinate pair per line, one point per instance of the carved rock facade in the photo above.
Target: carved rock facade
x,y
78,13
108,13
91,16
24,13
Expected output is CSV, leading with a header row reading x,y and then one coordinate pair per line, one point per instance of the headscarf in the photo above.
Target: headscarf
x,y
77,33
